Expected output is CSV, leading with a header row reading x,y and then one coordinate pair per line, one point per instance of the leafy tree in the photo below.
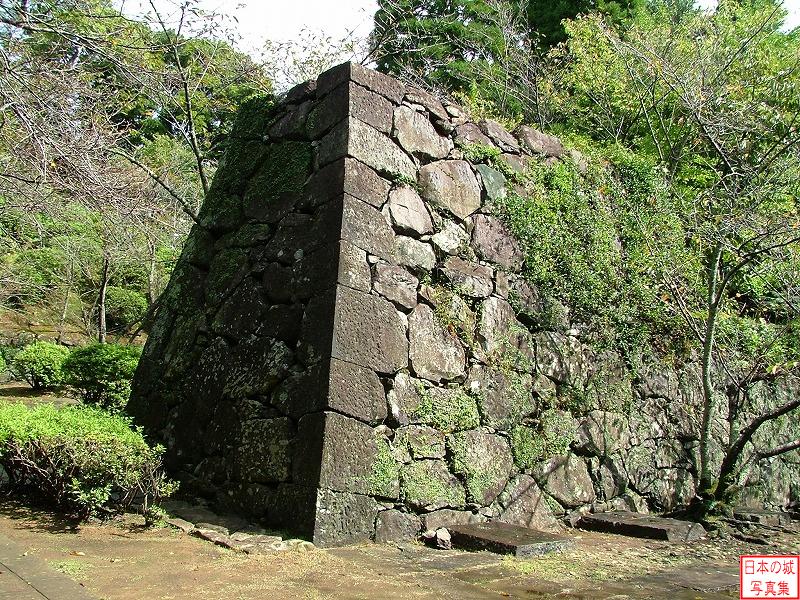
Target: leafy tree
x,y
123,119
714,100
545,17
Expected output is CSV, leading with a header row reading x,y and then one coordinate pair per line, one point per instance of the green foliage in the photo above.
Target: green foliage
x,y
589,238
440,39
385,471
478,153
124,307
101,373
447,410
41,364
80,459
3,365
419,487
550,437
476,480
545,16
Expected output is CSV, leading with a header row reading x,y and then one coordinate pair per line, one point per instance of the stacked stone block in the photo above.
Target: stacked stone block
x,y
347,347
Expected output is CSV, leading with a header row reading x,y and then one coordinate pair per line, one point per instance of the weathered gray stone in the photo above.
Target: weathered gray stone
x,y
505,397
516,163
470,279
263,450
523,503
428,100
450,184
451,239
256,366
540,143
612,477
483,460
300,92
407,212
504,538
396,285
404,397
603,433
354,271
348,176
470,134
412,253
423,441
436,354
292,123
242,312
367,331
360,141
447,518
560,357
500,332
629,501
365,227
493,182
428,484
637,525
499,135
417,135
494,242
395,526
347,454
343,518
372,80
566,479
356,391
350,99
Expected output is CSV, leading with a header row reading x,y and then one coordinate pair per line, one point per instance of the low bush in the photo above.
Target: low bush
x,y
81,460
124,307
101,373
40,364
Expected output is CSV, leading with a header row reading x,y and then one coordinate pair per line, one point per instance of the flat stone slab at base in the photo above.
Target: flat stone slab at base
x,y
644,526
762,517
503,538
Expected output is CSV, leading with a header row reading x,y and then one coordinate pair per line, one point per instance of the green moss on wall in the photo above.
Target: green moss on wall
x,y
448,410
550,437
385,472
421,487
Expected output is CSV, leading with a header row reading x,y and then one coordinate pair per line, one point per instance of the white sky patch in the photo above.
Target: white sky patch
x,y
257,21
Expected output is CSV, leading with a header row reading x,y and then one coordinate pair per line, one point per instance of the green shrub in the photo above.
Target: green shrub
x,y
3,366
81,460
101,373
124,307
40,364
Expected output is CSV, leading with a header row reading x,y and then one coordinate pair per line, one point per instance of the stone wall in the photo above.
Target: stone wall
x,y
347,350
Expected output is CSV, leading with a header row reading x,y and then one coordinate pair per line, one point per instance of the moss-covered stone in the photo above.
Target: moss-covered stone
x,y
385,476
483,461
551,437
275,187
226,270
429,484
447,409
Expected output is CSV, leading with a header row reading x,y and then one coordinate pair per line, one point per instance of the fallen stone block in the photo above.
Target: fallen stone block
x,y
503,538
644,526
763,517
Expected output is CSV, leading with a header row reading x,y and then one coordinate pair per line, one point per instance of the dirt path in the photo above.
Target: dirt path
x,y
121,561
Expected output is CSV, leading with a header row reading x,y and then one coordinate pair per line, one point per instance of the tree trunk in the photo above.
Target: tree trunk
x,y
712,304
101,303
